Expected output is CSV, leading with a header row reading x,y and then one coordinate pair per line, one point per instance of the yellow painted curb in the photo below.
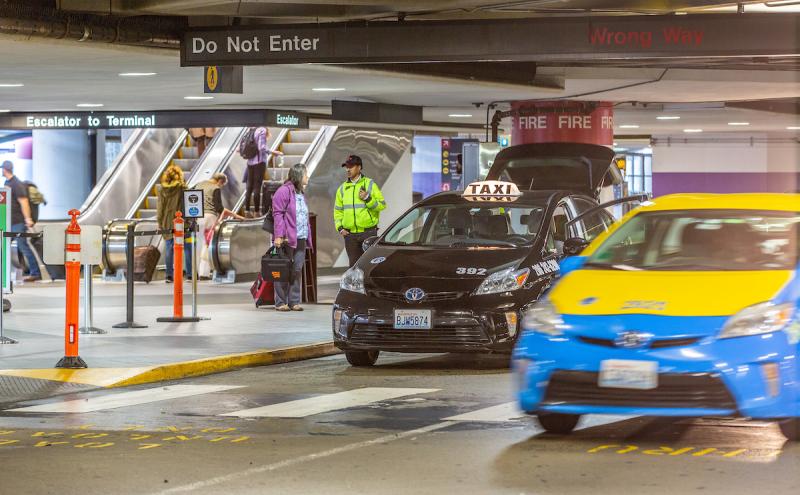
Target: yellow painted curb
x,y
219,364
123,377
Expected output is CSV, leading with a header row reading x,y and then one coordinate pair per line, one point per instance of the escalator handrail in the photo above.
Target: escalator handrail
x,y
157,175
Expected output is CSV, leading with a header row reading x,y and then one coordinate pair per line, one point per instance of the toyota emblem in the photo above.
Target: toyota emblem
x,y
415,294
632,340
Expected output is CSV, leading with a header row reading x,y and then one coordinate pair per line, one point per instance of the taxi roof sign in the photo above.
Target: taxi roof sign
x,y
492,190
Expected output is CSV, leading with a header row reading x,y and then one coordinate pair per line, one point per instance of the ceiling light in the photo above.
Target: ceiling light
x,y
4,110
460,115
668,117
11,85
738,123
629,126
691,131
137,74
793,128
198,97
89,105
328,89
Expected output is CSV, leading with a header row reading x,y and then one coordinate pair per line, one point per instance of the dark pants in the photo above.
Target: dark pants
x,y
291,293
23,244
353,244
255,176
169,257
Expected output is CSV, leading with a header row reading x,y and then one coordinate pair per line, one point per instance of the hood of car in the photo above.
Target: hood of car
x,y
666,293
396,268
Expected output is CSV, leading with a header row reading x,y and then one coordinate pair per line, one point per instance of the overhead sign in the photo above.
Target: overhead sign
x,y
193,203
162,119
534,39
221,79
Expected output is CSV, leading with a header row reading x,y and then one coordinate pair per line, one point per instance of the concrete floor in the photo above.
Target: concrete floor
x,y
421,441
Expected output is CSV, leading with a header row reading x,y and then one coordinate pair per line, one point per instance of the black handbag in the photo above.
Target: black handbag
x,y
276,265
269,222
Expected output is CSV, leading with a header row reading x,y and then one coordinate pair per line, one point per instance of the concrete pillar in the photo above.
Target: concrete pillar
x,y
61,170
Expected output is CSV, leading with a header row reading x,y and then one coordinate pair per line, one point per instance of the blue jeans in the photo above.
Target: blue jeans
x,y
169,256
24,245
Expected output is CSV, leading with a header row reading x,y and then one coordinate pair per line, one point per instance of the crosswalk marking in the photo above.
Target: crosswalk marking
x,y
113,401
328,402
495,414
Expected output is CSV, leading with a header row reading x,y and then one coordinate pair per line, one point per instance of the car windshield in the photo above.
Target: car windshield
x,y
467,225
702,240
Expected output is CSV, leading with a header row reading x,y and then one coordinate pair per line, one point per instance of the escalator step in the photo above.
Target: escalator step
x,y
185,163
302,136
147,213
295,148
152,202
291,160
189,152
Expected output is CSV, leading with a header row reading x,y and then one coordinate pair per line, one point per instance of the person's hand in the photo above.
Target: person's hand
x,y
344,233
279,153
29,222
278,241
363,195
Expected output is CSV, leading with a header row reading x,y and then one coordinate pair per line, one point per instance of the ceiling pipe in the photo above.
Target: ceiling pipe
x,y
57,25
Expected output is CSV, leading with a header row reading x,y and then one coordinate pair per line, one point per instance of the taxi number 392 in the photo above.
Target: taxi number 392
x,y
470,271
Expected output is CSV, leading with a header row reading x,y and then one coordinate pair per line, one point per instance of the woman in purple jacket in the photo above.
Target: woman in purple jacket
x,y
290,211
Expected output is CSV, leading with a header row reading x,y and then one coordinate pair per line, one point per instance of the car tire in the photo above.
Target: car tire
x,y
361,358
559,424
790,428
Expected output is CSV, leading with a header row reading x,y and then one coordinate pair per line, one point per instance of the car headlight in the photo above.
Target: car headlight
x,y
353,280
503,281
542,317
758,319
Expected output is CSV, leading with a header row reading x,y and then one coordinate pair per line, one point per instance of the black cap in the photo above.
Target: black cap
x,y
8,165
353,160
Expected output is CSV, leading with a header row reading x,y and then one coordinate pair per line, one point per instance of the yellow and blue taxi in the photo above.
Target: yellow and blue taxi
x,y
686,307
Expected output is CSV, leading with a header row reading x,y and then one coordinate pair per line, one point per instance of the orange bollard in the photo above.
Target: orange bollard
x,y
177,293
72,264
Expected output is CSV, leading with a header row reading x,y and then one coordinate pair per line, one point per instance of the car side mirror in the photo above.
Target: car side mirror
x,y
368,242
574,245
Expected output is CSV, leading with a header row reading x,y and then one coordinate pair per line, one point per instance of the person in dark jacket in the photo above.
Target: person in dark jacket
x,y
292,228
170,200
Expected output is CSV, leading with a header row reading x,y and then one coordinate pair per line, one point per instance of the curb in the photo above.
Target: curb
x,y
229,362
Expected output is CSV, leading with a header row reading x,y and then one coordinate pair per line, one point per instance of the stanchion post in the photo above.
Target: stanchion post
x,y
3,338
194,274
129,249
88,310
177,270
72,264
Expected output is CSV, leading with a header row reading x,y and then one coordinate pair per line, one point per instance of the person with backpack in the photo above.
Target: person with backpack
x,y
255,150
357,209
21,219
170,200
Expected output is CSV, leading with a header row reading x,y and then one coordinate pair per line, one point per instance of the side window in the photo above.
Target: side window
x,y
558,230
593,224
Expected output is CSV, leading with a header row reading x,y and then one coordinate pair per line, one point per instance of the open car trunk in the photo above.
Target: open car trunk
x,y
582,168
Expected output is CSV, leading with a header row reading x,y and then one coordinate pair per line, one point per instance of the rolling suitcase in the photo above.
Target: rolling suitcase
x,y
263,291
145,259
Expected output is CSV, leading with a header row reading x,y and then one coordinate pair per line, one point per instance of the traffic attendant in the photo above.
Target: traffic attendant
x,y
357,211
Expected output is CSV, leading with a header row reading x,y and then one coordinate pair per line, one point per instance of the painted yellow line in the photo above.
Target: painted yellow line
x,y
124,377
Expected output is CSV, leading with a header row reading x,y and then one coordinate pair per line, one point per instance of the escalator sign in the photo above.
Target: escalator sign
x,y
193,203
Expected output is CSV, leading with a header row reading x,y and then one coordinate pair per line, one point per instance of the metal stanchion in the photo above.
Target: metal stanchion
x,y
3,338
194,274
129,247
88,323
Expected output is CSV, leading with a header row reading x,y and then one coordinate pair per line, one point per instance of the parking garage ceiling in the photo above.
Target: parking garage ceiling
x,y
60,74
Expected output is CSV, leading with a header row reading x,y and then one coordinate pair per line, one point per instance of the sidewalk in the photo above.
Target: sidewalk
x,y
236,335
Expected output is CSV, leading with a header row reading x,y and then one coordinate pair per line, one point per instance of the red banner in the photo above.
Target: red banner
x,y
563,122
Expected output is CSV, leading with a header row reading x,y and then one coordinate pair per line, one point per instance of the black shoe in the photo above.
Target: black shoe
x,y
168,280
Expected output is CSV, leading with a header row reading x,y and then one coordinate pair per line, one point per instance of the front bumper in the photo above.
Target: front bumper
x,y
454,330
709,377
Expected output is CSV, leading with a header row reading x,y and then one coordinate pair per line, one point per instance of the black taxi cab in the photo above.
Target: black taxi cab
x,y
453,273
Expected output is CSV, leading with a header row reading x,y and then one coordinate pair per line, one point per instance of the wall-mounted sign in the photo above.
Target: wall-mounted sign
x,y
453,162
534,39
219,79
162,119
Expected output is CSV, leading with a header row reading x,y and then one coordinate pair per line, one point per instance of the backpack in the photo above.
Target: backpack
x,y
35,195
248,148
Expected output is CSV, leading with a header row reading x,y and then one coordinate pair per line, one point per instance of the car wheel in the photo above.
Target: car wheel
x,y
790,428
560,424
362,358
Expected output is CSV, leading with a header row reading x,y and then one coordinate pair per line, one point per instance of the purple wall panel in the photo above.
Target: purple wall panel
x,y
678,182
